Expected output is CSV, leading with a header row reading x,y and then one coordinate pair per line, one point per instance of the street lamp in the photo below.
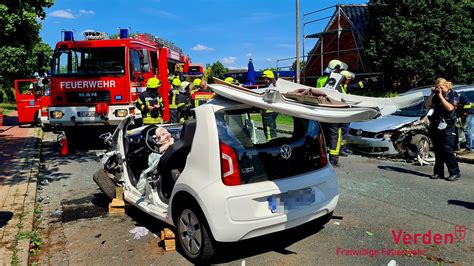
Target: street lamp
x,y
297,41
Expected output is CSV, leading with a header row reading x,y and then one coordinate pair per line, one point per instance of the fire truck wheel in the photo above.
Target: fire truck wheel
x,y
46,127
102,179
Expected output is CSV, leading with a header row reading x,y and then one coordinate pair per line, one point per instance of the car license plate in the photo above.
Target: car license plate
x,y
293,199
86,113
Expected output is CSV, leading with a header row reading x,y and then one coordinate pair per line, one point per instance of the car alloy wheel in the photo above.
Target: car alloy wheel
x,y
190,232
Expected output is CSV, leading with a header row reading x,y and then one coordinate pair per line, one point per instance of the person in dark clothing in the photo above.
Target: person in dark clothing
x,y
183,102
444,100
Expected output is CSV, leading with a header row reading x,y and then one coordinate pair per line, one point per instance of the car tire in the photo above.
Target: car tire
x,y
105,183
422,145
193,234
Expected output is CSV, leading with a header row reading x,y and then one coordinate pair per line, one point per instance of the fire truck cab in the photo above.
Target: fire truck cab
x,y
96,81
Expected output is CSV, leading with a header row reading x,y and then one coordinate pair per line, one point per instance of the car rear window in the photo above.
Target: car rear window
x,y
295,149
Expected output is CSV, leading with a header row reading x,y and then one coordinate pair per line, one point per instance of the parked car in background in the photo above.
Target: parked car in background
x,y
403,134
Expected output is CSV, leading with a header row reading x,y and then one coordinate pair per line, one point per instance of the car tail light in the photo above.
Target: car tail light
x,y
229,166
323,156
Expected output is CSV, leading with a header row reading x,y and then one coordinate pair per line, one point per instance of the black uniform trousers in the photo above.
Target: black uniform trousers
x,y
443,144
333,135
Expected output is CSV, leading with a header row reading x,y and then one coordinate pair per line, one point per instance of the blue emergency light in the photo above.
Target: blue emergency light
x,y
123,33
68,35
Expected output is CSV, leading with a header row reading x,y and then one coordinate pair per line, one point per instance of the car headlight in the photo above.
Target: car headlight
x,y
56,114
121,112
383,135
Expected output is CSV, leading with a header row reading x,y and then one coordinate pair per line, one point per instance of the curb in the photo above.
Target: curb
x,y
465,159
22,249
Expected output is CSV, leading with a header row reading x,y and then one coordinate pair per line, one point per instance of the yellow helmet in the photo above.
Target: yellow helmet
x,y
197,82
347,74
176,82
229,80
153,83
268,74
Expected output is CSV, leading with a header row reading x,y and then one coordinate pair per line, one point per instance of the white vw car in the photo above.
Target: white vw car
x,y
223,180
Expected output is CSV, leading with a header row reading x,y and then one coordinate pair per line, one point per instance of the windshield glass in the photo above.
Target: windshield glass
x,y
417,110
87,61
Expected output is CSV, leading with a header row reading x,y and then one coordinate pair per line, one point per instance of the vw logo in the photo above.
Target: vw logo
x,y
359,132
285,151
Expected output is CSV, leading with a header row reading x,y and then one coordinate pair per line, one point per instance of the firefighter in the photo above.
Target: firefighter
x,y
200,86
332,131
173,92
335,66
344,88
269,117
150,102
183,102
444,100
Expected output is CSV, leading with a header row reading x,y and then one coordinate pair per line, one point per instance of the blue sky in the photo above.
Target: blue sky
x,y
230,31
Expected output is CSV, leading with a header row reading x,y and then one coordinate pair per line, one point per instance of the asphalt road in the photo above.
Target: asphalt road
x,y
379,201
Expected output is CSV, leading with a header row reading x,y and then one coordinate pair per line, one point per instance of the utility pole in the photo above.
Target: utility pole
x,y
297,41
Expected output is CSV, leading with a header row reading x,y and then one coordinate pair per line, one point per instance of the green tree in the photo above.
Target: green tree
x,y
20,22
302,65
415,41
217,70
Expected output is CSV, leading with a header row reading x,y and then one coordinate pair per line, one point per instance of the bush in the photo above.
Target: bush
x,y
7,95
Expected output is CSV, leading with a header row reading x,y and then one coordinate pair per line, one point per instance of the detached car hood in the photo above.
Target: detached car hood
x,y
390,122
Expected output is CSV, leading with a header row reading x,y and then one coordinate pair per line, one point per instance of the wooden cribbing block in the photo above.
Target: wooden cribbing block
x,y
170,244
168,238
119,193
167,234
117,206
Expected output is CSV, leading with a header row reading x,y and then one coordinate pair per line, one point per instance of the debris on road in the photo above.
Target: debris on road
x,y
139,232
369,233
392,263
337,223
56,213
44,182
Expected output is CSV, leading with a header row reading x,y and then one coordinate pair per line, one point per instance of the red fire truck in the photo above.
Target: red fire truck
x,y
97,80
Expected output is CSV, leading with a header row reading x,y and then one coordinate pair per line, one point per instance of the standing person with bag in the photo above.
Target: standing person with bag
x,y
444,100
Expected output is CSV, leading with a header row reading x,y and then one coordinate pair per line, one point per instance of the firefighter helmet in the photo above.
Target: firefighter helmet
x,y
197,82
268,74
229,80
153,83
176,82
347,74
337,64
183,85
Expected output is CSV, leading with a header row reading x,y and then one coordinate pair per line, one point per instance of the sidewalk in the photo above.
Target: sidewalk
x,y
19,165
